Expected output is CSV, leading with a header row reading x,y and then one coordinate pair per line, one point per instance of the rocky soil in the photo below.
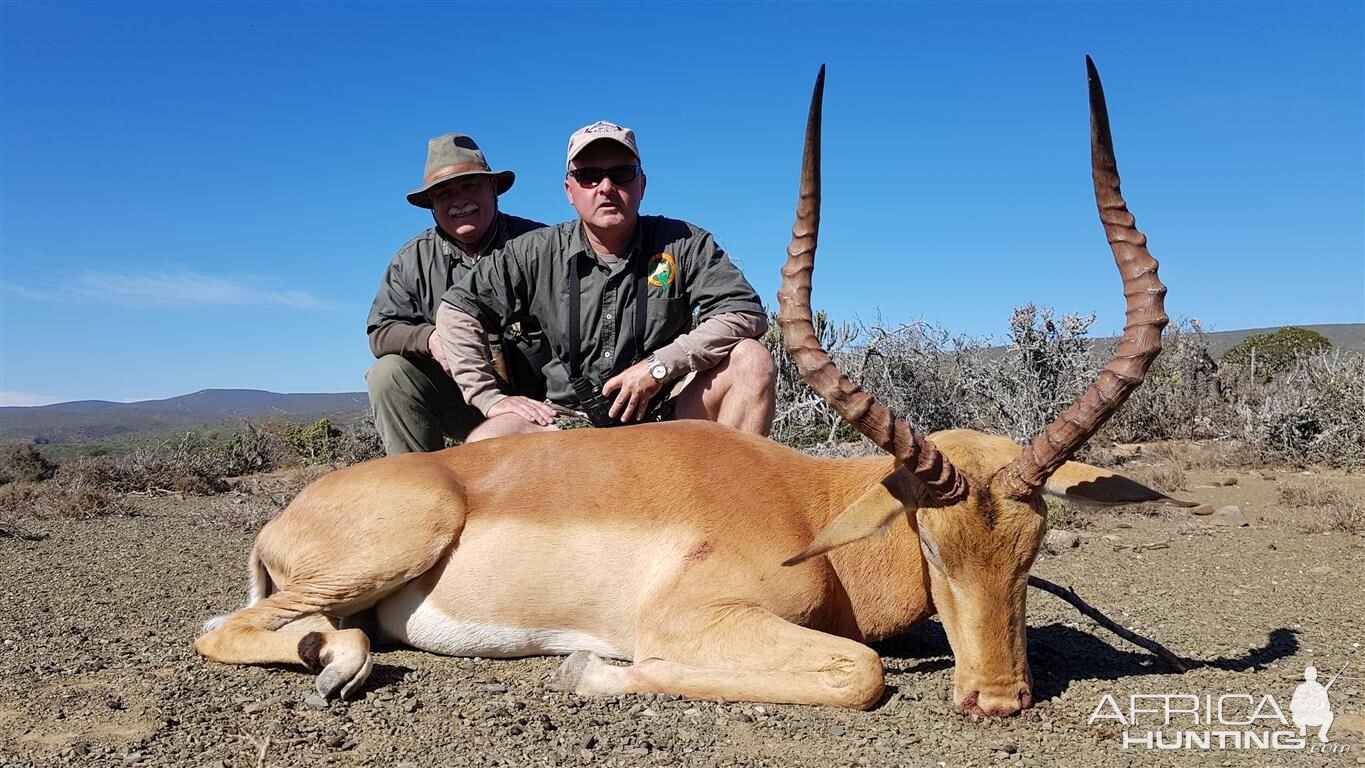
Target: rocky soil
x,y
96,668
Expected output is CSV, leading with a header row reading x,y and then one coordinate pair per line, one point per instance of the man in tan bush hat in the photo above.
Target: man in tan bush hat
x,y
616,294
416,403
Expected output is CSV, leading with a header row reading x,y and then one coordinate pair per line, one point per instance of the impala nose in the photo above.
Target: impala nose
x,y
993,704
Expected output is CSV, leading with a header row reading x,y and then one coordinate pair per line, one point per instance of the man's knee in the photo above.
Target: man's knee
x,y
752,362
391,376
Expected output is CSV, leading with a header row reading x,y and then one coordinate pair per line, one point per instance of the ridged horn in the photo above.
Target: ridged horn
x,y
858,408
1146,317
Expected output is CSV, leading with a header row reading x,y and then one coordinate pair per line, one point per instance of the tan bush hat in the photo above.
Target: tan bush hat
x,y
598,131
450,157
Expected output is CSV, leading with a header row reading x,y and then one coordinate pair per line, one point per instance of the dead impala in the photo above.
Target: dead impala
x,y
671,545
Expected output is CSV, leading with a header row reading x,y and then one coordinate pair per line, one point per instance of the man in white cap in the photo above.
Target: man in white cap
x,y
616,294
416,403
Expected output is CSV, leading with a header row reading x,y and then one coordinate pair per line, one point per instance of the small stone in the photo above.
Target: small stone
x,y
1058,540
255,707
637,752
837,730
406,764
588,742
1203,510
1227,481
314,701
1230,516
495,688
1321,570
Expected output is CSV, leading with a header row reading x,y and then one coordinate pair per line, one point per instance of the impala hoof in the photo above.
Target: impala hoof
x,y
344,657
343,676
570,672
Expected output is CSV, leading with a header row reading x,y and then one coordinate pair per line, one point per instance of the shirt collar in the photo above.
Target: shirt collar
x,y
578,245
493,235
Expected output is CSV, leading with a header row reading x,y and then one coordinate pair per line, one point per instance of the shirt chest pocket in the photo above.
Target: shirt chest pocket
x,y
666,318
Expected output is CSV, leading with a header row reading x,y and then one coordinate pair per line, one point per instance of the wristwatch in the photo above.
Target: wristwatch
x,y
657,370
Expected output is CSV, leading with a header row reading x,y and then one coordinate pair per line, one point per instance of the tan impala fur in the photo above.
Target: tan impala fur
x,y
721,564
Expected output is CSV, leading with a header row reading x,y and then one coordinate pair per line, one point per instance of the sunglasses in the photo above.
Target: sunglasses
x,y
619,174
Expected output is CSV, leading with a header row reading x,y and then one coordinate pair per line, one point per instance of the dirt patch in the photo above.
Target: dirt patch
x,y
96,666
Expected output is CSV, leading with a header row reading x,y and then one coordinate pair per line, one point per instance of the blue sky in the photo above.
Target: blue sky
x,y
205,195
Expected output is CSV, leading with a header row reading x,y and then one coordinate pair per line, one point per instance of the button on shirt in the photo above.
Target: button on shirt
x,y
689,274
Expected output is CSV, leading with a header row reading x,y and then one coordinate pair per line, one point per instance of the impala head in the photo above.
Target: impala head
x,y
977,500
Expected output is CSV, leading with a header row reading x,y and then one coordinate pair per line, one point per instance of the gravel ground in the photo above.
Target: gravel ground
x,y
96,666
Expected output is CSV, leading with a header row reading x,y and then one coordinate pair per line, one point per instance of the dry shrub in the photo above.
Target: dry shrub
x,y
1045,367
49,500
1346,518
1181,396
362,442
1340,511
936,380
1314,413
143,471
253,450
24,463
1315,496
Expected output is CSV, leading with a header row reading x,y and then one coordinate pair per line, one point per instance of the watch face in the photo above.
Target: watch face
x,y
658,371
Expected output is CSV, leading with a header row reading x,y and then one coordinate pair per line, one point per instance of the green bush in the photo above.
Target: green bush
x,y
317,443
1265,355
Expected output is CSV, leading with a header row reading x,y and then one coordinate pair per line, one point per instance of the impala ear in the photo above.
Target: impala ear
x,y
872,512
1085,484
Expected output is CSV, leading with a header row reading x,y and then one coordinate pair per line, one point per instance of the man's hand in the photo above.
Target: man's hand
x,y
533,411
437,354
636,387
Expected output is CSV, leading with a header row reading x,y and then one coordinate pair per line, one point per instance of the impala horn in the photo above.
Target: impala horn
x,y
895,436
1146,317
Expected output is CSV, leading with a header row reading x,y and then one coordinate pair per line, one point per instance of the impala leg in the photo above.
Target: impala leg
x,y
279,630
743,655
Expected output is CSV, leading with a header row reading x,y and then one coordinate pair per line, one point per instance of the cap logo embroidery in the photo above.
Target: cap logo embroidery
x,y
602,126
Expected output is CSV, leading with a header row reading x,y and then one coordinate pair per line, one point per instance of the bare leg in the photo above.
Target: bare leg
x,y
740,392
749,655
506,424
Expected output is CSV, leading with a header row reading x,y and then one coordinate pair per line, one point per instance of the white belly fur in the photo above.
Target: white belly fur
x,y
408,618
